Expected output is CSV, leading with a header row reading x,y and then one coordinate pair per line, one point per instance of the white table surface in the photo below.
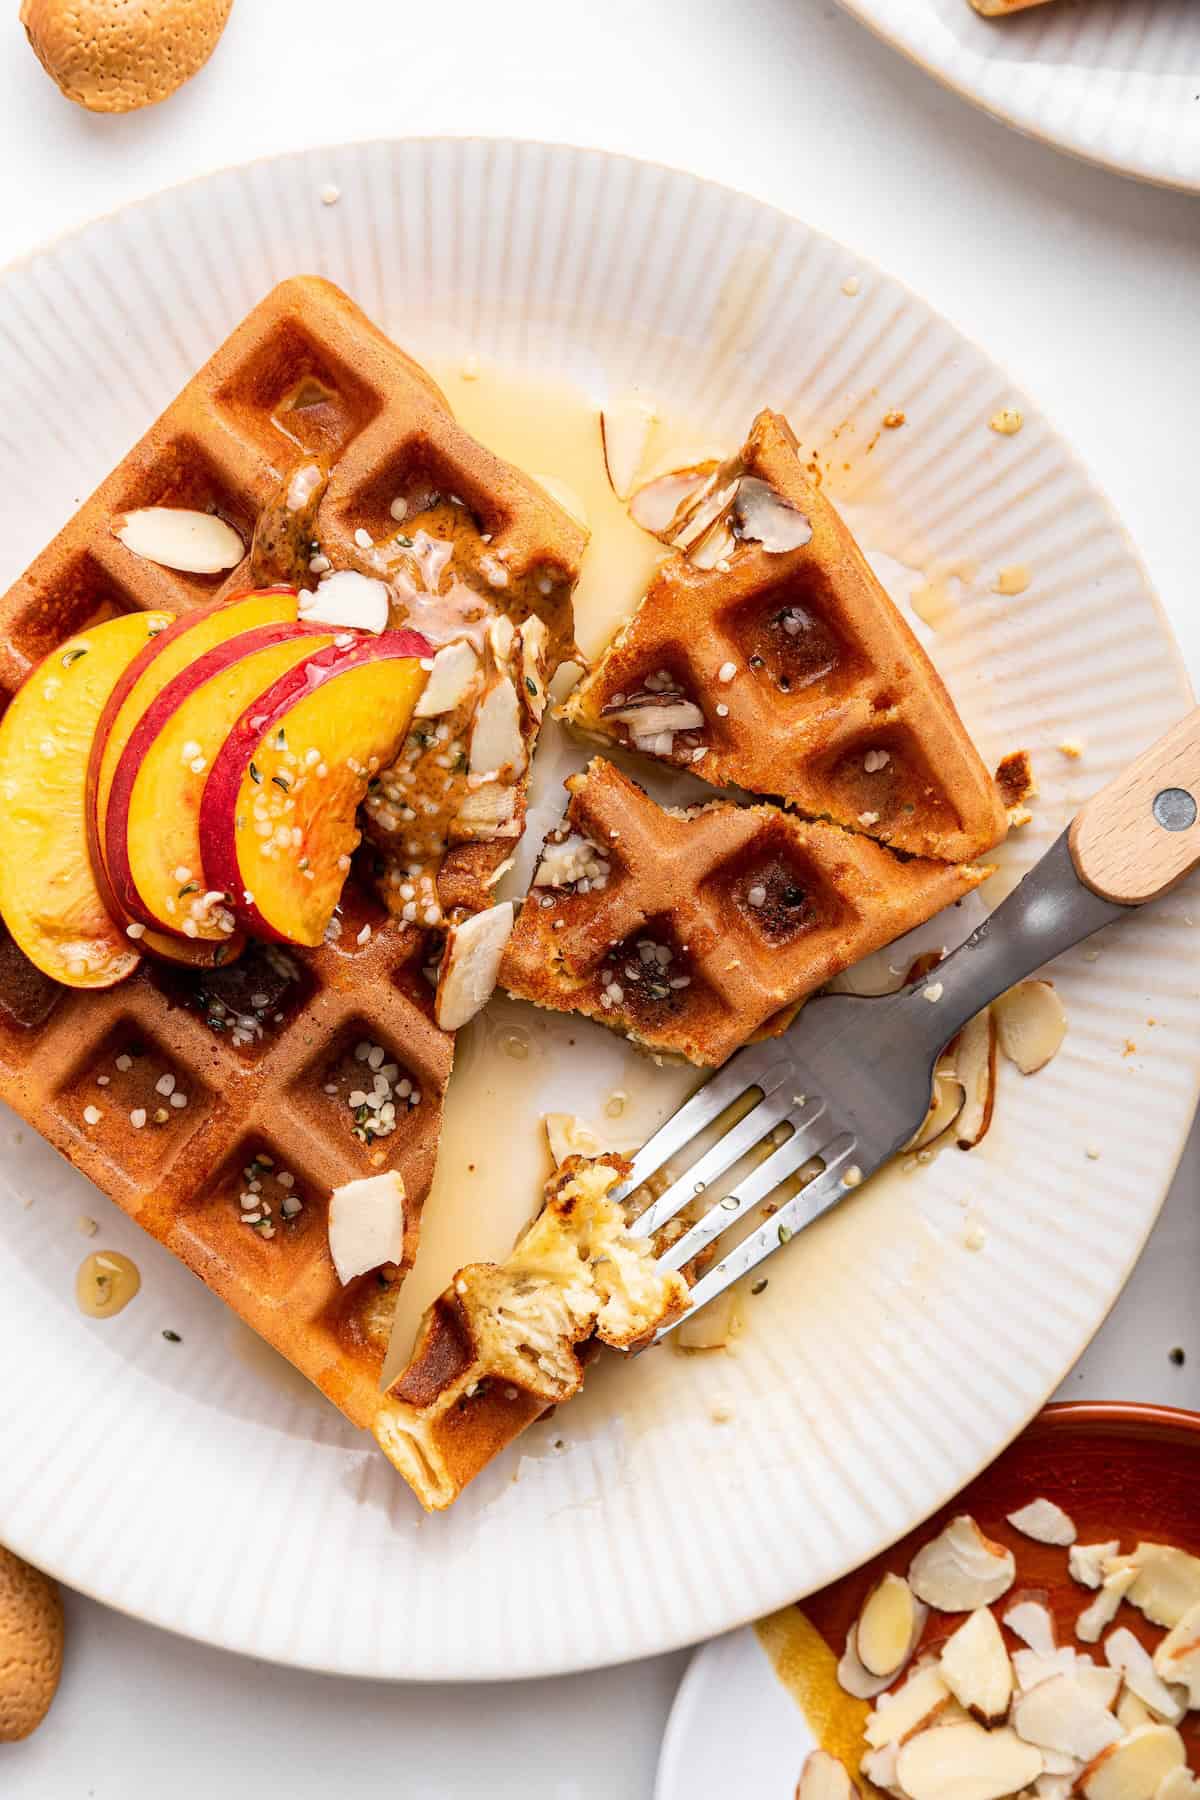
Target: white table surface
x,y
1084,284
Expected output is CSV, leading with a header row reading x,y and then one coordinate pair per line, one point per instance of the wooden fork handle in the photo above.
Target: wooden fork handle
x,y
1140,835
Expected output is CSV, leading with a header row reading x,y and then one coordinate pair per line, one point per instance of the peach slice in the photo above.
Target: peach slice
x,y
277,824
166,656
152,822
49,897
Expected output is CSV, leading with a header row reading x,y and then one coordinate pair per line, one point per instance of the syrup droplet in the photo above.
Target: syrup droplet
x,y
107,1281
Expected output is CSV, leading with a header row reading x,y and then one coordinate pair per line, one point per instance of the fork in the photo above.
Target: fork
x,y
853,1077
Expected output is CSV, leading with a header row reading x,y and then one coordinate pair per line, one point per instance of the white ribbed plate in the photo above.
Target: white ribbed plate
x,y
1111,80
177,1482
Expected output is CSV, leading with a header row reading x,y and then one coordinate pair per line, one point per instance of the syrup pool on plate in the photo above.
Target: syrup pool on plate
x,y
107,1281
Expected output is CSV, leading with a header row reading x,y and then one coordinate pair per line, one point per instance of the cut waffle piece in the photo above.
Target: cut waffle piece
x,y
694,931
506,1341
767,656
215,1108
399,491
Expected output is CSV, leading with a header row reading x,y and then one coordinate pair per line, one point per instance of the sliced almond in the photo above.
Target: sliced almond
x,y
655,505
975,1067
1132,1712
1061,1715
1179,1784
1134,1768
1033,1623
488,812
1086,1562
1044,1522
765,517
856,1680
961,1569
497,747
1123,1651
711,1326
1030,1024
625,429
1177,1659
879,1767
886,1625
1168,1583
1054,1787
1031,1669
471,965
348,600
912,1707
1095,1619
455,670
975,1667
965,1762
667,715
823,1777
195,543
1100,1684
366,1224
534,639
947,1104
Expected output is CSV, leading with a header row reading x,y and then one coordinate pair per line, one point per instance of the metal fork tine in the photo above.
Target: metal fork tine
x,y
733,1144
749,1068
811,1133
801,1210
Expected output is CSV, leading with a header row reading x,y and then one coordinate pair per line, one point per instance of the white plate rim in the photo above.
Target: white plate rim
x,y
1069,457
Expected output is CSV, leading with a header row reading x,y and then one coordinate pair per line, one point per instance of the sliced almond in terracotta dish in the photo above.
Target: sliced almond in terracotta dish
x,y
923,1698
195,543
1061,1715
1132,1712
823,1777
1045,1522
1177,1658
1086,1562
965,1762
1180,1784
886,1626
1031,1669
1031,1024
975,1667
1100,1684
879,1767
1124,1652
625,428
1033,1623
1134,1768
975,1067
471,965
1168,1583
961,1569
1095,1619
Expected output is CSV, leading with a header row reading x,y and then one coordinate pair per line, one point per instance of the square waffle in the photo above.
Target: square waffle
x,y
767,656
196,1099
694,930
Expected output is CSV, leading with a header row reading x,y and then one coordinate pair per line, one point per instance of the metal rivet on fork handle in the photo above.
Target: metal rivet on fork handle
x,y
1175,809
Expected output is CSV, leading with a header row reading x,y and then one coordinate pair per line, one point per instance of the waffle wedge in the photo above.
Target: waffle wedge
x,y
506,1341
767,656
220,1106
693,931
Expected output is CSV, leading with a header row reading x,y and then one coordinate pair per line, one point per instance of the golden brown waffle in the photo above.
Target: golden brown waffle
x,y
263,1052
308,376
810,685
506,1341
695,931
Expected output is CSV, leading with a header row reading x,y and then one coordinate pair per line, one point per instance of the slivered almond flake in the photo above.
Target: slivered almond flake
x,y
347,599
625,428
1095,1619
886,1626
975,1667
1033,1623
195,543
366,1224
1061,1715
1132,1712
655,505
569,1135
1123,1651
471,965
1180,1784
824,1778
947,1104
1045,1522
669,715
712,1325
1168,1583
1134,1768
1031,1668
961,1569
497,747
975,1068
1031,1024
910,1709
879,1767
1177,1658
965,1762
455,669
1086,1562
853,1678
